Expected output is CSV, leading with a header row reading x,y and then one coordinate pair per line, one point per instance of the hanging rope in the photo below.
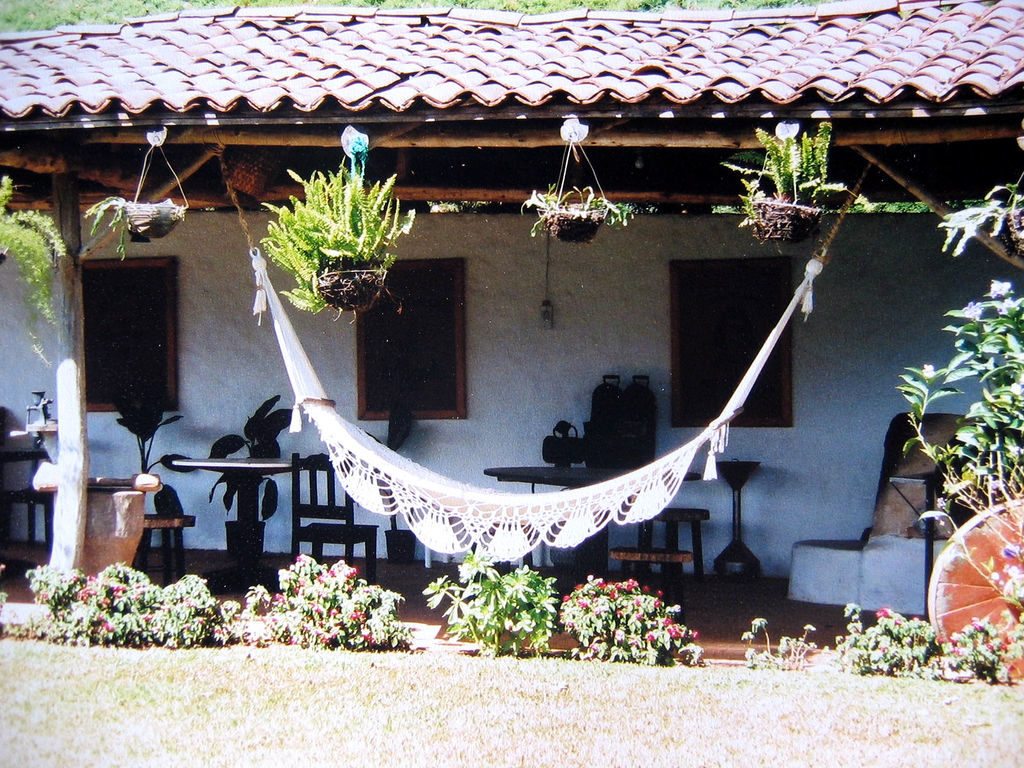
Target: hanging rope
x,y
823,255
573,133
156,141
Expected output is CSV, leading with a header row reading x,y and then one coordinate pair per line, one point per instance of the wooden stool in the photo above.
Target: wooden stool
x,y
672,517
172,545
671,562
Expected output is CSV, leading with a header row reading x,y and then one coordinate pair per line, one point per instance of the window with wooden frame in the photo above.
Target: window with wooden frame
x,y
130,309
411,347
722,311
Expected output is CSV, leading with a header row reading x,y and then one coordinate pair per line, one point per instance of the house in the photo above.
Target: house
x,y
466,105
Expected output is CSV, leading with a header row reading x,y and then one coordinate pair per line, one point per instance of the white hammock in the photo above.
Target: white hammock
x,y
448,516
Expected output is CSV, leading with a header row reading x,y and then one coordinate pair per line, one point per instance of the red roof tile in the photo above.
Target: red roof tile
x,y
864,51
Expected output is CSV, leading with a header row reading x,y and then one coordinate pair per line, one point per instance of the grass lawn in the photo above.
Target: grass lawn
x,y
283,706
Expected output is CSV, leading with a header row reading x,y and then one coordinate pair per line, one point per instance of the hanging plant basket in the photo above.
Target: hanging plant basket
x,y
351,290
147,221
573,224
776,219
250,170
1013,232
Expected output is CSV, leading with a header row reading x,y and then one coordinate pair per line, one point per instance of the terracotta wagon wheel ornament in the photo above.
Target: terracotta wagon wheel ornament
x,y
965,581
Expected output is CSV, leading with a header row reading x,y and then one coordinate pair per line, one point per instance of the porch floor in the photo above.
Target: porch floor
x,y
720,610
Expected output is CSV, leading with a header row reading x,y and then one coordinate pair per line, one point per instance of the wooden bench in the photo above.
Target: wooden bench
x,y
172,543
671,562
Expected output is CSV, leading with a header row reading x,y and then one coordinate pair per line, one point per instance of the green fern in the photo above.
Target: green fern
x,y
794,168
33,241
341,224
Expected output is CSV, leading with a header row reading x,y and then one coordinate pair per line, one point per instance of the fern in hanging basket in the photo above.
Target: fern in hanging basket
x,y
576,215
336,243
794,167
1000,215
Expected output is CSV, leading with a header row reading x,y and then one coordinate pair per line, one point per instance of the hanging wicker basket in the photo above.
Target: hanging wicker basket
x,y
250,170
776,219
1013,232
153,220
351,290
573,224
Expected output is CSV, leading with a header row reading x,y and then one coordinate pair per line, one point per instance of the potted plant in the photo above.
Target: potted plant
x,y
337,243
575,216
142,221
32,240
999,214
143,416
259,438
795,166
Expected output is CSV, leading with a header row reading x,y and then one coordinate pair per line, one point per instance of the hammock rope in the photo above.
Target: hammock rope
x,y
449,516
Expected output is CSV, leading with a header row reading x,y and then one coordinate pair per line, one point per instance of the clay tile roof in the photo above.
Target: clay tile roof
x,y
864,52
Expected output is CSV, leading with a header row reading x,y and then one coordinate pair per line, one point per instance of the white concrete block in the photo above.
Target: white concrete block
x,y
826,572
892,574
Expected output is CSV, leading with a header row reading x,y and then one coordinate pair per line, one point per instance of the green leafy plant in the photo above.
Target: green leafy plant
x,y
505,614
792,168
327,608
576,203
34,242
984,463
341,224
259,438
790,655
122,607
998,215
620,621
143,415
894,647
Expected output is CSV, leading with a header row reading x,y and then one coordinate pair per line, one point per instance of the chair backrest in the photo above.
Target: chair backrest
x,y
897,509
315,491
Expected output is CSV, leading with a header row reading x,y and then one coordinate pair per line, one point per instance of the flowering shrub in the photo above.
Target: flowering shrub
x,y
984,463
325,607
504,614
791,654
983,651
122,607
896,646
619,621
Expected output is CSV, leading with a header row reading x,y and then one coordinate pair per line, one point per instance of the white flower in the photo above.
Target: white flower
x,y
1016,389
998,289
973,311
787,129
928,371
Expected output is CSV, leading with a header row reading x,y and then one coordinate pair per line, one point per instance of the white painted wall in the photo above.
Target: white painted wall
x,y
879,308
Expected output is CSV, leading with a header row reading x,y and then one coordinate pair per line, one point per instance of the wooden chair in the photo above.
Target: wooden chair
x,y
319,519
29,497
172,544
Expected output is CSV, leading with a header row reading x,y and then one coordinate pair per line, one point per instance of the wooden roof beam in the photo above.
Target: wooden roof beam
x,y
937,205
452,136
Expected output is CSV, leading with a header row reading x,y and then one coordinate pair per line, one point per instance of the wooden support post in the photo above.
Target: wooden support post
x,y
939,208
73,456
